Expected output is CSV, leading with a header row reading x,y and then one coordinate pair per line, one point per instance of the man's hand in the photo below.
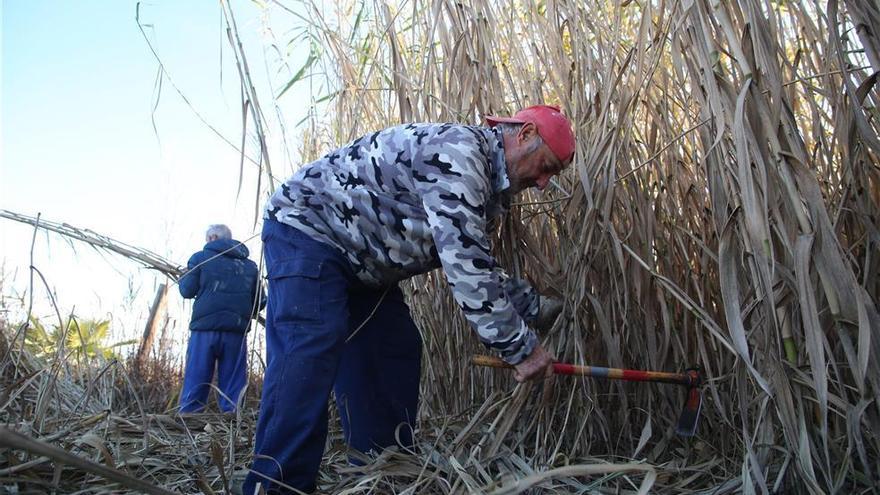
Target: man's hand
x,y
538,364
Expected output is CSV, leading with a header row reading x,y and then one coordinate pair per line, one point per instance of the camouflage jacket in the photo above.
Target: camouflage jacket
x,y
408,199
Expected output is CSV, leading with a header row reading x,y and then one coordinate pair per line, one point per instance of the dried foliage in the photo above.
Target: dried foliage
x,y
722,211
100,242
86,429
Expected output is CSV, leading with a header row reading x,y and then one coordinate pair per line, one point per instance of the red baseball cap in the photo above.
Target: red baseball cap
x,y
553,127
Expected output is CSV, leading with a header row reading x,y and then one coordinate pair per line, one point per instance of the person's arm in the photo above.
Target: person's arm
x,y
525,299
259,291
262,295
188,284
453,180
538,311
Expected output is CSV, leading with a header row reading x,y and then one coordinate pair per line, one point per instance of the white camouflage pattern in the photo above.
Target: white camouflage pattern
x,y
408,199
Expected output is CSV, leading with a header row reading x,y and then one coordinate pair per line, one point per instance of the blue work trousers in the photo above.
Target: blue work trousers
x,y
326,331
228,350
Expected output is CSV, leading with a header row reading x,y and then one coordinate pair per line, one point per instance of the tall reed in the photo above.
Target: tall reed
x,y
722,211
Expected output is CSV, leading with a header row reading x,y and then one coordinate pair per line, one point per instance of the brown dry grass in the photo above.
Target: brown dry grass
x,y
722,211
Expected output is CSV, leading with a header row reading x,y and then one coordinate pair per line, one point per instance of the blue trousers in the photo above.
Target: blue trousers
x,y
325,331
228,350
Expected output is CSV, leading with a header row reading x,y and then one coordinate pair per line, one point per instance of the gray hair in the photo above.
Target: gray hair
x,y
511,129
218,231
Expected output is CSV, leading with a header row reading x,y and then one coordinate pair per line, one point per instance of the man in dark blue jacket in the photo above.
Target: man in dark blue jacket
x,y
228,294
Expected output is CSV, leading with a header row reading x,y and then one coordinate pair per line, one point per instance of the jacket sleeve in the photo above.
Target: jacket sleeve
x,y
452,176
523,296
188,285
262,294
259,292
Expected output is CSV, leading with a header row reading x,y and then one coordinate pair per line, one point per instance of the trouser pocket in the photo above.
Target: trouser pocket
x,y
295,291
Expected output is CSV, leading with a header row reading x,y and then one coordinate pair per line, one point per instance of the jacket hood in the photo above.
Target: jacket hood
x,y
229,247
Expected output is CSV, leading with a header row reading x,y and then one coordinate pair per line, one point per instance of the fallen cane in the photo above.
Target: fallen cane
x,y
687,422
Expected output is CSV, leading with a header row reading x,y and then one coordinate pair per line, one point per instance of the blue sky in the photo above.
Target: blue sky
x,y
77,141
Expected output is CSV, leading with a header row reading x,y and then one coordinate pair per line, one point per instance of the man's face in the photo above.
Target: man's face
x,y
531,165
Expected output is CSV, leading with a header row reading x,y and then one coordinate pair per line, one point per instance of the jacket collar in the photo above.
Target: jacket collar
x,y
499,179
500,182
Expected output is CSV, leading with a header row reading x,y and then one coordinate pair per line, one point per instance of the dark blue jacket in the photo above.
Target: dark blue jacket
x,y
226,287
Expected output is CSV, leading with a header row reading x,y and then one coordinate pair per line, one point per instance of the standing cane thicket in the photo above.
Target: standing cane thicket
x,y
721,211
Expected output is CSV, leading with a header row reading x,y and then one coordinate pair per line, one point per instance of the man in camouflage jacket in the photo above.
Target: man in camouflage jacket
x,y
343,231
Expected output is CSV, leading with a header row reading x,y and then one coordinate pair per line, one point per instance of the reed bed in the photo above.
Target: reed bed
x,y
722,211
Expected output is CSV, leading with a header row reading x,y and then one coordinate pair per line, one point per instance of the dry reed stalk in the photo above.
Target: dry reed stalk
x,y
144,257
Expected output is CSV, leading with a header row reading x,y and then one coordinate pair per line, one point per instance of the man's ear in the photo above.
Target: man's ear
x,y
527,132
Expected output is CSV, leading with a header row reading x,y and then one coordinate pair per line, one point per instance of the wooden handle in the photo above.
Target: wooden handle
x,y
691,379
490,361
